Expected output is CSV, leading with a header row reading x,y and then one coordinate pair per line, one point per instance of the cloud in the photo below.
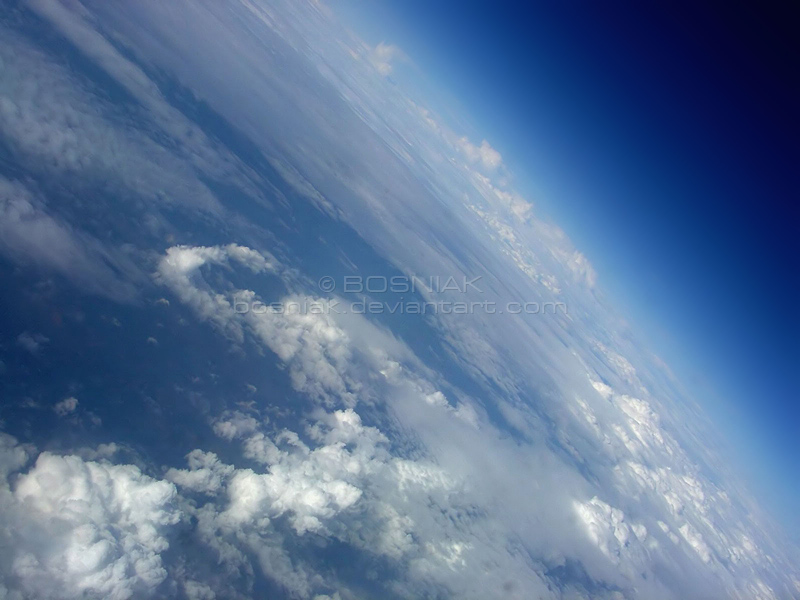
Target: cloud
x,y
29,235
508,201
484,154
234,424
614,536
341,479
57,128
66,406
391,460
75,528
32,342
178,270
382,56
205,475
344,484
582,269
348,481
311,485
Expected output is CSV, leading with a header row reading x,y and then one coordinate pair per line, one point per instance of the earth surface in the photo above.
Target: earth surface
x,y
272,327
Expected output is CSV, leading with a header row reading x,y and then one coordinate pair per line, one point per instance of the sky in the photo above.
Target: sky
x,y
665,144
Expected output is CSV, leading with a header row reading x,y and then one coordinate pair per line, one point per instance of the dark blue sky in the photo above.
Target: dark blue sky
x,y
665,142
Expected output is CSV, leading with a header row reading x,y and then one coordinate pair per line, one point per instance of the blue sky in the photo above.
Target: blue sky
x,y
664,143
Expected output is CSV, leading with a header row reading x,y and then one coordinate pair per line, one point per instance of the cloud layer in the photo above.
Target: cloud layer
x,y
245,147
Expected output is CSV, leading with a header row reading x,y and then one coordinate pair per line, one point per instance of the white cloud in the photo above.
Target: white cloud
x,y
348,479
345,484
75,528
13,456
581,268
56,127
614,536
311,485
484,154
178,269
66,406
382,55
235,425
206,473
695,540
509,201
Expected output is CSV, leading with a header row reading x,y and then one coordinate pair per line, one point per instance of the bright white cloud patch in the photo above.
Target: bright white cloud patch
x,y
178,269
75,528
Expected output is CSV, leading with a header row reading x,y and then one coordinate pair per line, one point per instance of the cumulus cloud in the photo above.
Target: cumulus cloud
x,y
343,484
311,485
66,406
234,425
308,340
178,269
484,154
206,473
607,527
382,56
508,200
76,528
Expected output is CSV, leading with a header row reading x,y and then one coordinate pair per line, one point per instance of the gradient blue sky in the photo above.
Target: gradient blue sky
x,y
665,143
